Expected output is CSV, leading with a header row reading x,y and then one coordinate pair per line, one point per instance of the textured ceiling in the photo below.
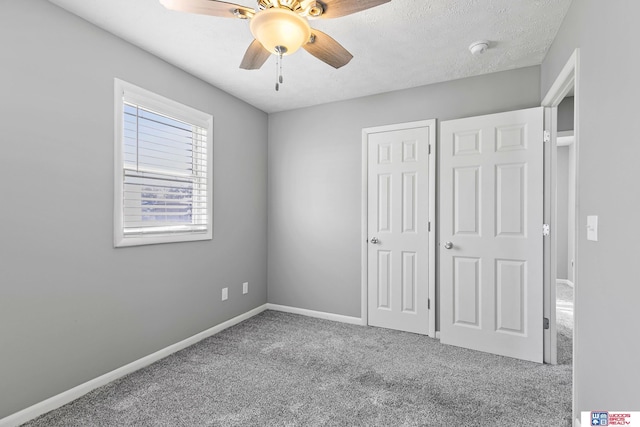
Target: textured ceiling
x,y
401,44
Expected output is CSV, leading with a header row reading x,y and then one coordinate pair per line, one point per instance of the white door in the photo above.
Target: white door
x,y
400,201
491,214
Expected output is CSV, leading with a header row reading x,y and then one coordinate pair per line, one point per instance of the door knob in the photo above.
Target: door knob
x,y
448,245
374,240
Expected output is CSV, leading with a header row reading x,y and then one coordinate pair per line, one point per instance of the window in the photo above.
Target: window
x,y
162,169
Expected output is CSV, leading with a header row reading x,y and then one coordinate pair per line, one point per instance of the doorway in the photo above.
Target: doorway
x,y
565,228
566,84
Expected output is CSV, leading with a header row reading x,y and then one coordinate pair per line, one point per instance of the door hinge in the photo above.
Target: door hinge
x,y
428,303
429,226
547,136
429,148
545,323
545,230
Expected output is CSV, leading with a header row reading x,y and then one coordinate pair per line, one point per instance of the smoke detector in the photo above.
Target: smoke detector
x,y
479,47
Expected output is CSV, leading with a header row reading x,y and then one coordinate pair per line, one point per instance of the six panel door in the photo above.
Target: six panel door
x,y
398,216
491,214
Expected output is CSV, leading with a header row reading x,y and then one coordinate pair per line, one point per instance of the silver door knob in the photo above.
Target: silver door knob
x,y
374,240
448,245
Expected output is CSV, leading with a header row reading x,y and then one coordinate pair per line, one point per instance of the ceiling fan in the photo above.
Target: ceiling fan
x,y
281,27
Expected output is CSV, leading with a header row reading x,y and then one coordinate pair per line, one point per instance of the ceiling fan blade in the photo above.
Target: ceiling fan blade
x,y
337,8
208,7
327,49
255,56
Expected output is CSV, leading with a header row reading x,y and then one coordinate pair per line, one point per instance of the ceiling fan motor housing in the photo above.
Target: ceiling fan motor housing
x,y
311,8
289,4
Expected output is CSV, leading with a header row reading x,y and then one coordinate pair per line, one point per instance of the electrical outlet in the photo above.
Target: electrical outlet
x,y
225,294
245,288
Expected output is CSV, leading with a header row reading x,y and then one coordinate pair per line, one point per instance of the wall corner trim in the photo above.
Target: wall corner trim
x,y
70,395
317,314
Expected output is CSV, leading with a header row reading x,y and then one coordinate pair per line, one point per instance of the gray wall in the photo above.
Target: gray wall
x,y
562,223
314,208
607,295
71,306
565,114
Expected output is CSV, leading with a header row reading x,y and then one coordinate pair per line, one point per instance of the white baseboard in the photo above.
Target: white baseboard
x,y
317,314
577,423
70,395
564,282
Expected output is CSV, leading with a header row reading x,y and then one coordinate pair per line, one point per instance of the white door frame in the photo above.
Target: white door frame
x,y
364,247
569,78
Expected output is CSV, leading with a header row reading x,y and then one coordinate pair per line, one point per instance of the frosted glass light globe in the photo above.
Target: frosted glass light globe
x,y
280,27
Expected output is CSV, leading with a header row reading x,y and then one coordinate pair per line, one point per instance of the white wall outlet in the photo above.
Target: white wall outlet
x,y
245,288
225,294
592,228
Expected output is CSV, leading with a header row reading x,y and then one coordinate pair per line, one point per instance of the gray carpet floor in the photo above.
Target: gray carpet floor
x,y
564,322
279,369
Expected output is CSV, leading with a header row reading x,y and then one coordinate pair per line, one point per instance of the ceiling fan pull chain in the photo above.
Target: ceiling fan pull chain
x,y
277,82
280,50
280,77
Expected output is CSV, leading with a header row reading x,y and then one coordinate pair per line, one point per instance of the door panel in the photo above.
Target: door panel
x,y
510,296
491,211
409,285
466,192
511,196
466,288
384,203
398,211
384,280
409,202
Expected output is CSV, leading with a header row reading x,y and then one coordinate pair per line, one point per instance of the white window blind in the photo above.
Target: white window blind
x,y
164,170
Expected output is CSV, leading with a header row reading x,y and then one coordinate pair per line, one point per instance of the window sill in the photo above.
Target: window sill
x,y
160,238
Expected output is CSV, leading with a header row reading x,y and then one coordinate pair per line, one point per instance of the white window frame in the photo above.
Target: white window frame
x,y
168,107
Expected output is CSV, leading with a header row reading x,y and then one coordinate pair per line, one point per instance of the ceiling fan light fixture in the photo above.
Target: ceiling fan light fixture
x,y
275,28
